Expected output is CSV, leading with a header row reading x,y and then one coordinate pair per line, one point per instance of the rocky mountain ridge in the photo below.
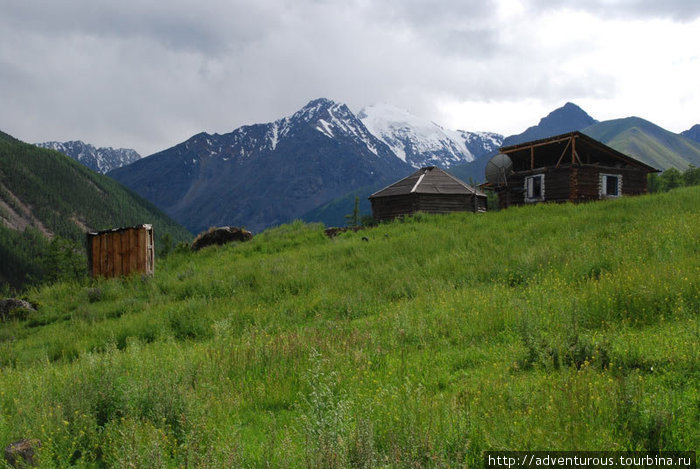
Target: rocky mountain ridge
x,y
420,142
264,174
101,160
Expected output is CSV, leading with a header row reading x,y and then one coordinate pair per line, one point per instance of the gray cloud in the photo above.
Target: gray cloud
x,y
677,10
148,74
209,27
429,14
450,27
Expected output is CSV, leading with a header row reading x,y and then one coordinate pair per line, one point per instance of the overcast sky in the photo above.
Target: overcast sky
x,y
149,74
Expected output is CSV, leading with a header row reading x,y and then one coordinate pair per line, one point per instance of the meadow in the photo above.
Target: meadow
x,y
550,327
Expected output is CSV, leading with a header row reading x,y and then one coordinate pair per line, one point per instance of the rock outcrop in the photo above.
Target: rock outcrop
x,y
219,236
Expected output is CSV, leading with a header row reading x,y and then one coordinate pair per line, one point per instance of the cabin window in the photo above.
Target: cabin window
x,y
610,185
534,188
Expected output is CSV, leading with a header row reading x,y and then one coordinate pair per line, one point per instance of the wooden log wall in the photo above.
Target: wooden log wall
x,y
431,203
573,183
634,181
557,184
121,252
588,184
388,208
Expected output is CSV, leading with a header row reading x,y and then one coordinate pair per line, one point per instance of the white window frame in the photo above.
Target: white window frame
x,y
603,189
529,185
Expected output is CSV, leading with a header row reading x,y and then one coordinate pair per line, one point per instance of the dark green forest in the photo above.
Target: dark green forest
x,y
67,199
673,178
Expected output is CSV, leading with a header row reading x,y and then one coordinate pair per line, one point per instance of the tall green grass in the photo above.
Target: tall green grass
x,y
546,327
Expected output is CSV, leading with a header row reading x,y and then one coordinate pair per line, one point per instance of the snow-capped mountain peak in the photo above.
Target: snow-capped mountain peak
x,y
382,131
315,109
333,120
420,142
101,160
265,174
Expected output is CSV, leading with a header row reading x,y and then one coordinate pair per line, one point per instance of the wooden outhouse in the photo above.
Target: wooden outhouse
x,y
570,167
121,251
430,190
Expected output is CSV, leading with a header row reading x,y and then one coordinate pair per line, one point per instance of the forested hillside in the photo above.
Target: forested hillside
x,y
45,192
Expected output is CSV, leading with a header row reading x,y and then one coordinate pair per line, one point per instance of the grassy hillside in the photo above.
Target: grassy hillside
x,y
647,142
542,327
50,192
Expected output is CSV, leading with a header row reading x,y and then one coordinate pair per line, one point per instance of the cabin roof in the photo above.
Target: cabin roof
x,y
115,230
521,150
427,180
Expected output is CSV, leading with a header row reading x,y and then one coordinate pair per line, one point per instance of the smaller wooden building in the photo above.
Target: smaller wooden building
x,y
121,251
430,190
570,167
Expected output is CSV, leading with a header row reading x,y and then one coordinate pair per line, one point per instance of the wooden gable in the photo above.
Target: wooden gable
x,y
574,148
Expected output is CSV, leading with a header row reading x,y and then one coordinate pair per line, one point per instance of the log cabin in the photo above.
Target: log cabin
x,y
430,190
570,167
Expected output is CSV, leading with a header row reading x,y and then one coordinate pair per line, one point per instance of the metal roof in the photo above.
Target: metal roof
x,y
428,180
115,230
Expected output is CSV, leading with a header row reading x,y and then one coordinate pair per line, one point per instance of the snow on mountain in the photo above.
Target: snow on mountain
x,y
265,174
100,160
384,130
333,120
481,143
420,142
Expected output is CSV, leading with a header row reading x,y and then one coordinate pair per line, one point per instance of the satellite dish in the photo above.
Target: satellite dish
x,y
498,169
